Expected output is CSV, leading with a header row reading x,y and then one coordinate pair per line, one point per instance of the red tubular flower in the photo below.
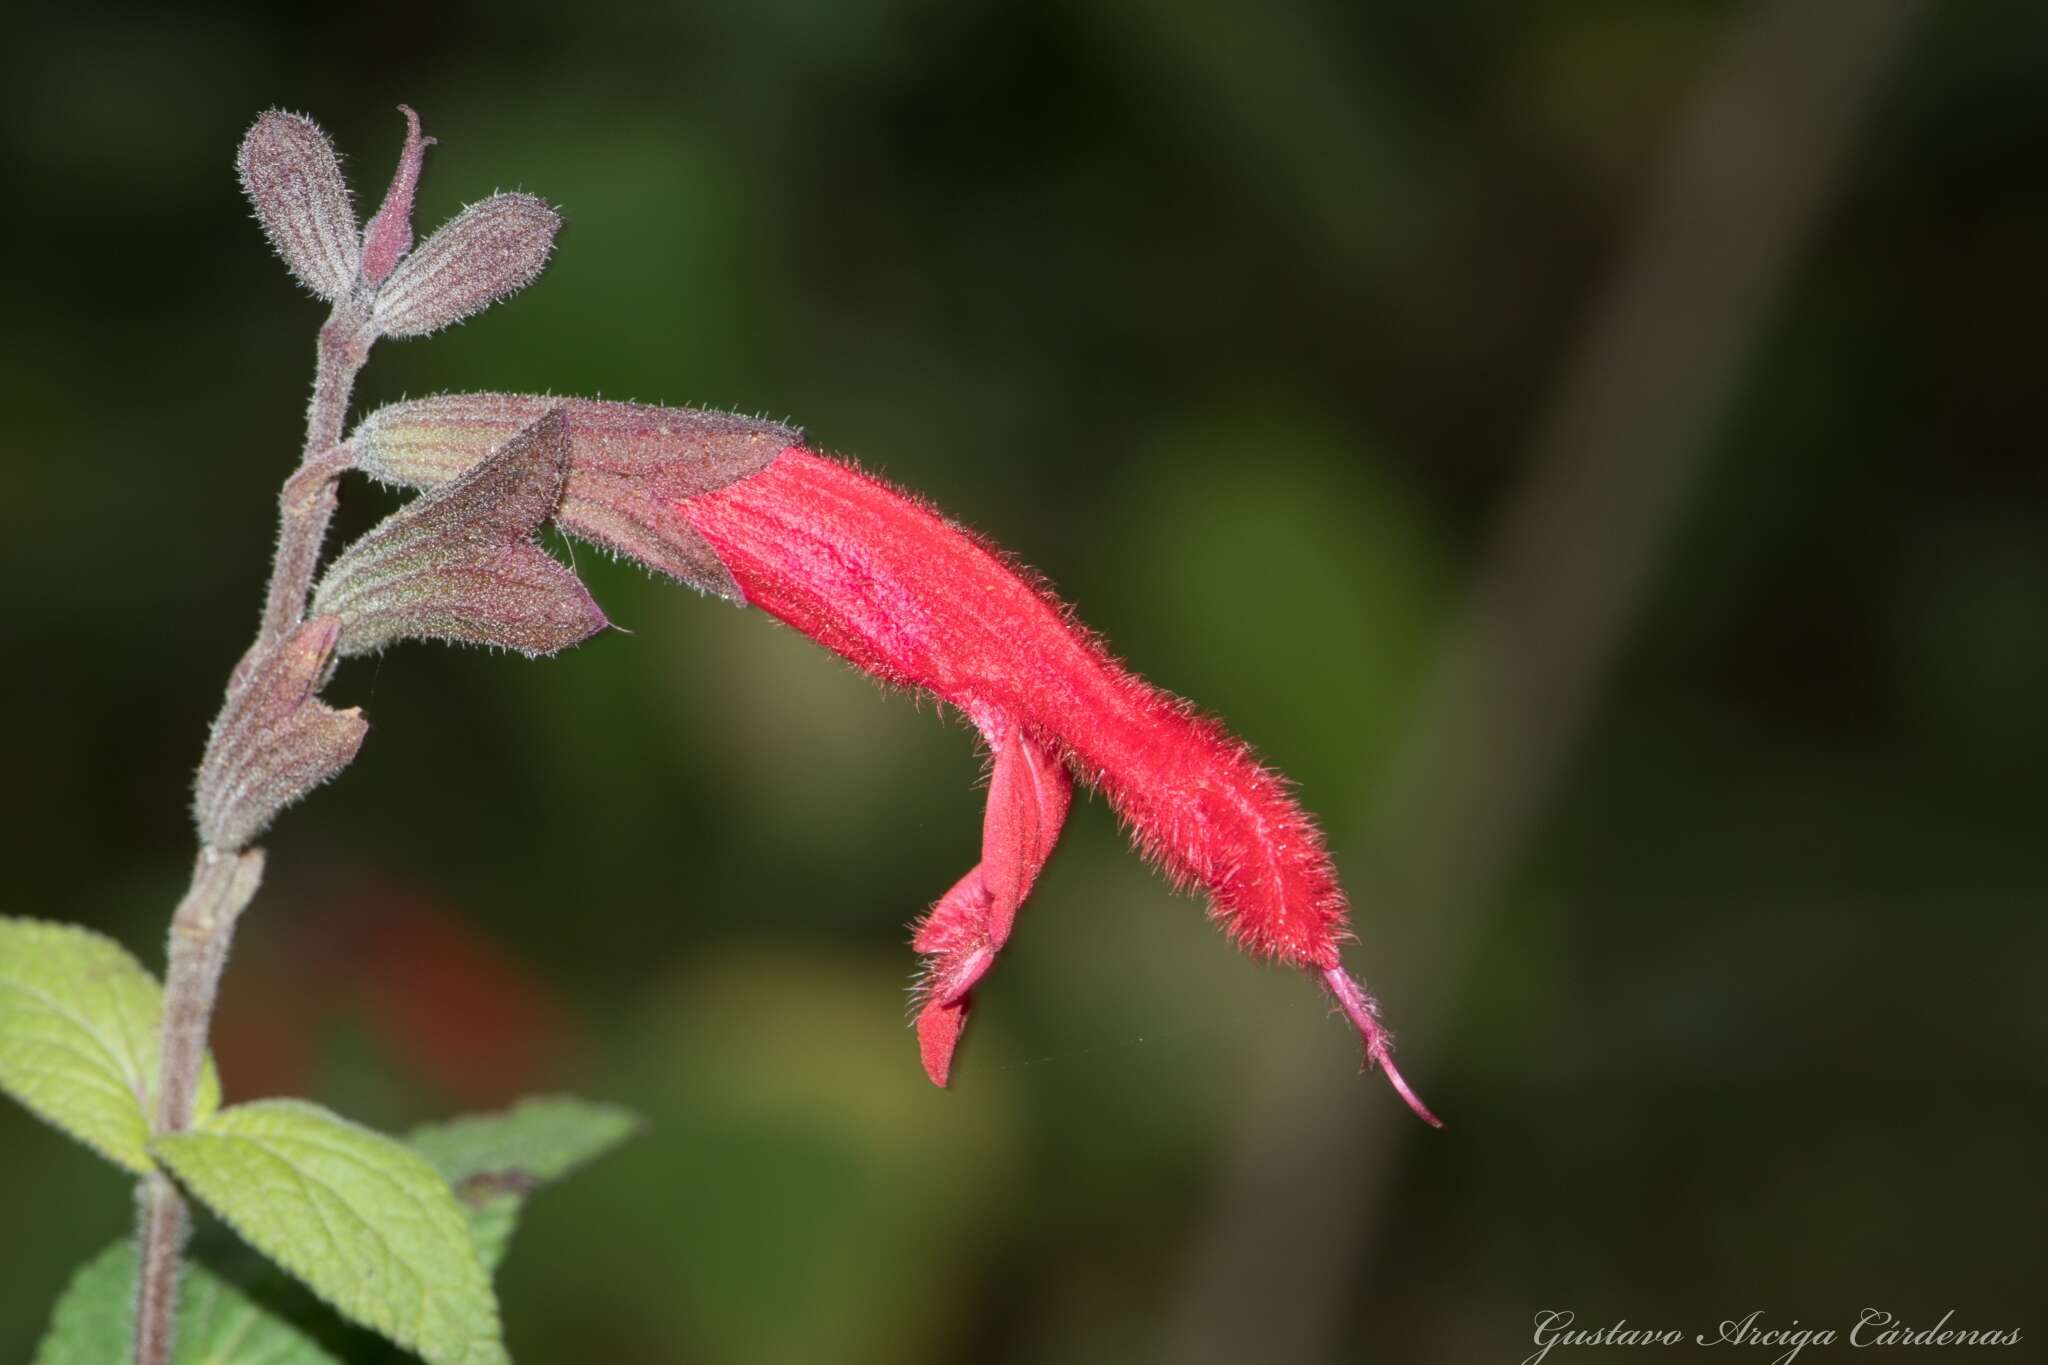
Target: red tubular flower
x,y
739,507
886,581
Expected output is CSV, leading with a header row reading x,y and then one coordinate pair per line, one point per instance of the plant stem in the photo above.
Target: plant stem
x,y
161,1224
224,880
222,884
202,928
307,503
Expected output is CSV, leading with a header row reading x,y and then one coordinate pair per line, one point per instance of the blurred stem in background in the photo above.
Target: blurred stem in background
x,y
1754,162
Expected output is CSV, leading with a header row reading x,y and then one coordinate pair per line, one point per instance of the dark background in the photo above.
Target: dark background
x,y
1594,449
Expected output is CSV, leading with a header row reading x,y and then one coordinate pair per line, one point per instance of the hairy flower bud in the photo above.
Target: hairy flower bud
x,y
629,464
459,563
489,250
293,179
388,235
274,740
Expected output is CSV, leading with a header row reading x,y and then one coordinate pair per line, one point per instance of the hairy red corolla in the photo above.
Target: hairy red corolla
x,y
883,579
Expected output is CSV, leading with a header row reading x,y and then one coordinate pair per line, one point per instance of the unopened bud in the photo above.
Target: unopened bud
x,y
292,177
459,563
274,740
490,249
389,234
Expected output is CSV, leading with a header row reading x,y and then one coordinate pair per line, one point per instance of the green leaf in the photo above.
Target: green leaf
x,y
78,1037
495,1160
364,1222
218,1324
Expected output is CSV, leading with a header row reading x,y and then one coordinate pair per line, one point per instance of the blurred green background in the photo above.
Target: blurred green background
x,y
1673,701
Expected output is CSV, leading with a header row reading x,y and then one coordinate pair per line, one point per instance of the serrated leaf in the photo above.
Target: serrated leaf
x,y
218,1324
361,1220
79,1021
494,1161
629,464
460,564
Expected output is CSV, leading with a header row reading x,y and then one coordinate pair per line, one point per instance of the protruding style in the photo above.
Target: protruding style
x,y
1364,1013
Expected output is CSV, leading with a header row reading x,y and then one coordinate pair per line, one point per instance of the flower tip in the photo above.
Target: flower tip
x,y
1394,1078
389,235
938,1035
1364,1013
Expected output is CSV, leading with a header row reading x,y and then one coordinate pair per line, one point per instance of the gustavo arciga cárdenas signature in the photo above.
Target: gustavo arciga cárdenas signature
x,y
1874,1327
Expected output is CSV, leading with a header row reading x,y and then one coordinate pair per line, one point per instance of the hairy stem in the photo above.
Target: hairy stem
x,y
307,504
224,880
222,884
161,1225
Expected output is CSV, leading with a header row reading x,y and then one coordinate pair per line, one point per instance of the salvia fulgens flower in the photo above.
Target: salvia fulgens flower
x,y
889,583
